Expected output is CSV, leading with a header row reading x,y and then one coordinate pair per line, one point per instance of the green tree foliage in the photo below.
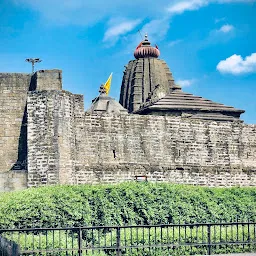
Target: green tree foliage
x,y
122,204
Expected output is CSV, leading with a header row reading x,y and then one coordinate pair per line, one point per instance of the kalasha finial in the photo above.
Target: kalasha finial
x,y
145,50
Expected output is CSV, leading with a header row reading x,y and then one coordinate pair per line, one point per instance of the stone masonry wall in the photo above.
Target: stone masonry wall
x,y
14,88
13,94
180,150
69,147
48,80
51,140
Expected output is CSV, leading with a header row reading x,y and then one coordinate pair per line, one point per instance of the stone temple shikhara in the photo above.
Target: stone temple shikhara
x,y
148,87
156,130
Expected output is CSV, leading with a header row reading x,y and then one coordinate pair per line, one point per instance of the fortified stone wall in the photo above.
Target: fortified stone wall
x,y
13,149
14,88
180,150
48,127
47,80
51,136
70,147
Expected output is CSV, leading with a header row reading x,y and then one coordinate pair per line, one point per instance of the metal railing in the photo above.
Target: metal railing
x,y
171,239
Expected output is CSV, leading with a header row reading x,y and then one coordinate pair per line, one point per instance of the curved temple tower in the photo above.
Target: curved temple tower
x,y
143,75
148,87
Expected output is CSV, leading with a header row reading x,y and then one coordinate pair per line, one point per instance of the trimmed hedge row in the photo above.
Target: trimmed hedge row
x,y
126,203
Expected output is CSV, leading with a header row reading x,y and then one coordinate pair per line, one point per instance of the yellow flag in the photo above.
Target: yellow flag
x,y
108,84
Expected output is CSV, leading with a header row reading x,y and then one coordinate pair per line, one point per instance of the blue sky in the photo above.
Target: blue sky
x,y
209,45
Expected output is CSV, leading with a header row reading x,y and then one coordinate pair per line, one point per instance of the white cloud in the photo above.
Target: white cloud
x,y
180,7
87,13
157,29
226,28
175,42
185,83
220,19
236,65
222,35
234,1
183,6
113,32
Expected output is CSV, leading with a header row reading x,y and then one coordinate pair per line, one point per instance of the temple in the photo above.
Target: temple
x,y
148,87
157,131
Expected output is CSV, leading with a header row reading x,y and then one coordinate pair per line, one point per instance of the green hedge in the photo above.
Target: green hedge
x,y
126,203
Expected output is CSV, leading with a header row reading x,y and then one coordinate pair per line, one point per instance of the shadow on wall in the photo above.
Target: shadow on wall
x,y
21,163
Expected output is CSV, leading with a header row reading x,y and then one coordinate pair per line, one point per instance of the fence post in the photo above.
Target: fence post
x,y
209,239
118,242
80,242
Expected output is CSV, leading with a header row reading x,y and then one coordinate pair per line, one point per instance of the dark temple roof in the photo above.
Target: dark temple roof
x,y
177,100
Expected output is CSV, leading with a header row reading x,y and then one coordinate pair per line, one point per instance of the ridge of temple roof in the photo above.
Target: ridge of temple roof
x,y
179,100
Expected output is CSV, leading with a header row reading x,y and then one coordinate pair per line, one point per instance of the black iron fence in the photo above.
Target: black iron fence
x,y
171,239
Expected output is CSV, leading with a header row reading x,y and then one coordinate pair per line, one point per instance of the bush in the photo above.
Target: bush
x,y
122,204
